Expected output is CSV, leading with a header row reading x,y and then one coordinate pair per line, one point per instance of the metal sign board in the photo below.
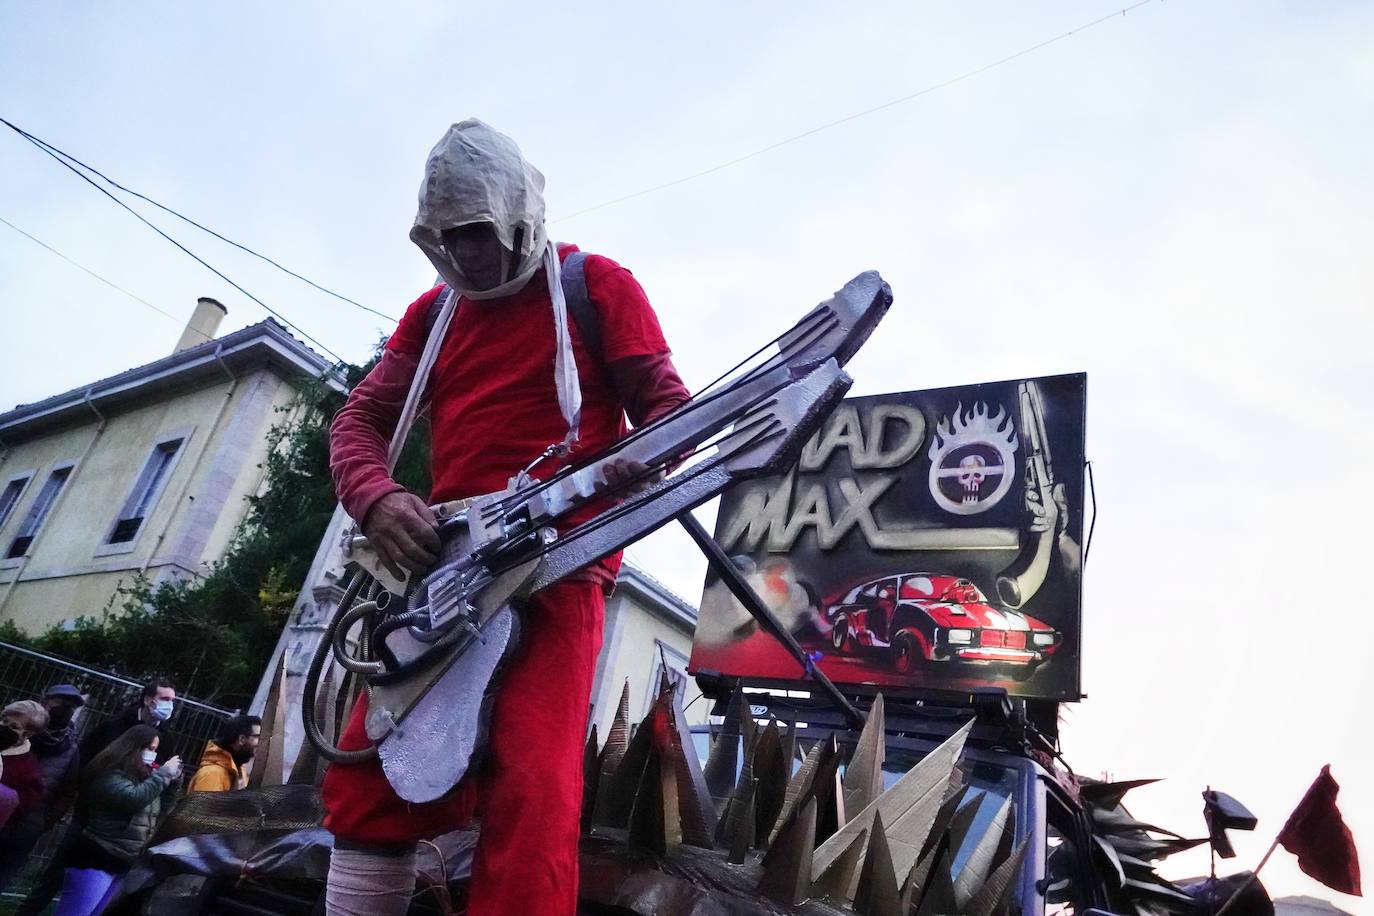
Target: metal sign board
x,y
928,539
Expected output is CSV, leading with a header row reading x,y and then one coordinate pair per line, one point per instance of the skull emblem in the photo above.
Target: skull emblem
x,y
971,475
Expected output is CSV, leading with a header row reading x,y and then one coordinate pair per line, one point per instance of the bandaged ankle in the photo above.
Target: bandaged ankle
x,y
365,882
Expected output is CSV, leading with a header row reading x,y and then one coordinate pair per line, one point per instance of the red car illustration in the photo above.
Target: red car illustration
x,y
928,617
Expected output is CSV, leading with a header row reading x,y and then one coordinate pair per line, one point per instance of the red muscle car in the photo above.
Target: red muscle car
x,y
927,617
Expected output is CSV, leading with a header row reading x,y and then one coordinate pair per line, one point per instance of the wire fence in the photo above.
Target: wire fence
x,y
26,675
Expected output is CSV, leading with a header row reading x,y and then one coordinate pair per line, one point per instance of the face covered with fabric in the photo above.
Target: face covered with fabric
x,y
481,224
481,215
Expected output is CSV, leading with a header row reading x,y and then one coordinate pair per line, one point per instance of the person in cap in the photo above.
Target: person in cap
x,y
221,766
154,706
55,752
514,384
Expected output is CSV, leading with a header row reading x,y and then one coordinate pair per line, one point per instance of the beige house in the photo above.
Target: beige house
x,y
143,472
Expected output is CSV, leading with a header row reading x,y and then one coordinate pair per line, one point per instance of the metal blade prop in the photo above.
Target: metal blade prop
x,y
431,659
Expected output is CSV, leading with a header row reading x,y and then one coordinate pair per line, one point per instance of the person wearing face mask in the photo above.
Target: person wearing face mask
x,y
59,765
511,384
155,705
221,766
122,790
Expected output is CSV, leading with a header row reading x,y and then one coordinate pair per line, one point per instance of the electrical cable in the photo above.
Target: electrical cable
x,y
206,264
852,117
51,150
82,267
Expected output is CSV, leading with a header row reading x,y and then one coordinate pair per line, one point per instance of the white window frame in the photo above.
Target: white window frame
x,y
662,651
7,512
183,436
57,468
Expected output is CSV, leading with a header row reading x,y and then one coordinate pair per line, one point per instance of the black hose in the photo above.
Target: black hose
x,y
323,651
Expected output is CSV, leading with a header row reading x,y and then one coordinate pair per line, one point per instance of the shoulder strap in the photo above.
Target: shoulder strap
x,y
580,305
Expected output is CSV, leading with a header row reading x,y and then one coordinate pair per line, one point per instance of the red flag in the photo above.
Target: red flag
x,y
1317,835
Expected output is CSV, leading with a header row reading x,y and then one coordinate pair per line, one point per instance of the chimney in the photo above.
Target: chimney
x,y
203,324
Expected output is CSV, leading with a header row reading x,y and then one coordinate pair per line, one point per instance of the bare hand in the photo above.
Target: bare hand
x,y
173,767
403,531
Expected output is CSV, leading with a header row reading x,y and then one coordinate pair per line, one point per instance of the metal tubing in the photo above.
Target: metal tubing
x,y
746,596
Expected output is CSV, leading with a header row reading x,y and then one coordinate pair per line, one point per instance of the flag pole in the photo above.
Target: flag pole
x,y
1254,875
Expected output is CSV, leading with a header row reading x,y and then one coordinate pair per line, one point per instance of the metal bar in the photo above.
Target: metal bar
x,y
105,675
746,595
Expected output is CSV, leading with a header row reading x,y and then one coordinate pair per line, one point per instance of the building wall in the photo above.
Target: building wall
x,y
70,569
630,652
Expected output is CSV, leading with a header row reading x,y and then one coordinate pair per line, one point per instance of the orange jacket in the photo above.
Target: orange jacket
x,y
218,772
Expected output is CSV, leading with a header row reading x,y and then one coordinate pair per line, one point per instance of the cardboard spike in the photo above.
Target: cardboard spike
x,y
732,808
697,810
909,807
618,738
916,879
964,816
992,896
978,864
828,793
938,897
591,776
877,893
267,764
953,801
615,797
741,828
653,822
772,780
787,878
863,778
801,782
724,758
789,748
837,881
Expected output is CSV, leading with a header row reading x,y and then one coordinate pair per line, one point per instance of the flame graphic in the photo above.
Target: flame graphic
x,y
977,425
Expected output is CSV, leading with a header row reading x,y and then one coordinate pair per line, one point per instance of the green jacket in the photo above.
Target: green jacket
x,y
122,812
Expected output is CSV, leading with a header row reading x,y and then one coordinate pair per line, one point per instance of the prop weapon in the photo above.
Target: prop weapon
x,y
1019,582
431,657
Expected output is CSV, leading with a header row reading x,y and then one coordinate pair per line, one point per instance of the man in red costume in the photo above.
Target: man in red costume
x,y
503,388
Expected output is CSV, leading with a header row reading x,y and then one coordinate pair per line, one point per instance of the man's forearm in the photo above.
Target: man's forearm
x,y
361,434
648,386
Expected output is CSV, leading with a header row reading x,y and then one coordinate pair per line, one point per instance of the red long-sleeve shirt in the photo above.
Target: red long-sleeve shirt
x,y
493,404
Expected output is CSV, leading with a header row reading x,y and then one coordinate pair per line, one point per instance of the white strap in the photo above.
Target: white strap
x,y
422,370
564,365
566,382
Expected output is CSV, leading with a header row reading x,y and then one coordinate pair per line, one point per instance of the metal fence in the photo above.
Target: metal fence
x,y
26,675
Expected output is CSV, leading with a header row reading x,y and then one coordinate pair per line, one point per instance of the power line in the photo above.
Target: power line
x,y
54,151
82,267
204,263
853,117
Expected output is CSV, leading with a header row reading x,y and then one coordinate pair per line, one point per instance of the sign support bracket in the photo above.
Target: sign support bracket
x,y
745,594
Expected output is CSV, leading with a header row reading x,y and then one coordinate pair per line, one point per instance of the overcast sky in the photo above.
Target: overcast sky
x,y
1177,201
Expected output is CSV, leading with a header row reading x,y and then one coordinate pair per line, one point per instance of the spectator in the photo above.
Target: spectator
x,y
221,766
59,767
121,798
154,707
18,723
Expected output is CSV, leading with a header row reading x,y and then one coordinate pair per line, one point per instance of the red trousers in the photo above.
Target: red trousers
x,y
528,791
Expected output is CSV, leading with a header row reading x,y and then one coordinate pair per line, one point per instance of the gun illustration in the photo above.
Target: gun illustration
x,y
430,653
1019,582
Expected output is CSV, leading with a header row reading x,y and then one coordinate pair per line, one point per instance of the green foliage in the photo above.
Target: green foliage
x,y
213,635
